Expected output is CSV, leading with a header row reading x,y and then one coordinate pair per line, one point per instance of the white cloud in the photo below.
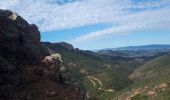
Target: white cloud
x,y
133,22
49,15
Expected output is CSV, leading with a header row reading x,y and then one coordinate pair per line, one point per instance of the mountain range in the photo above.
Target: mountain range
x,y
142,47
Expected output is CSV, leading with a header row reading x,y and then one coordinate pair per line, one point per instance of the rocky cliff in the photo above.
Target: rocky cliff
x,y
23,73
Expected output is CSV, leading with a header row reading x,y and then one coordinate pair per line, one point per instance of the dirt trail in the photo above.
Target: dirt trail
x,y
94,79
100,83
94,84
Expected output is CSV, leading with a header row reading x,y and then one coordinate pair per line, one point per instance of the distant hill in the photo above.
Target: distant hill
x,y
137,48
144,47
145,51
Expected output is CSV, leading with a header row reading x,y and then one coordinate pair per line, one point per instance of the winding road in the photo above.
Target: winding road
x,y
95,81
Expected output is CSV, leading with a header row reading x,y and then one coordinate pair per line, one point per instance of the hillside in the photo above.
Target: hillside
x,y
93,69
157,67
152,81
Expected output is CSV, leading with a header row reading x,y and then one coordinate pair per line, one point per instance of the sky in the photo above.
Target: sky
x,y
97,24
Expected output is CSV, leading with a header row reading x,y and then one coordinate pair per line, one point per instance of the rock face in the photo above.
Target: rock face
x,y
23,75
18,39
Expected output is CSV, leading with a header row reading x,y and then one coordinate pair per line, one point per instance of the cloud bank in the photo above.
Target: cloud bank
x,y
124,15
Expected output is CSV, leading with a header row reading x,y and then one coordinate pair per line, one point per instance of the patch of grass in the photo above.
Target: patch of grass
x,y
140,97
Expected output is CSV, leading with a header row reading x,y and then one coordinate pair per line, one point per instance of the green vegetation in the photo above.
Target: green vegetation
x,y
157,67
149,77
113,78
91,68
140,97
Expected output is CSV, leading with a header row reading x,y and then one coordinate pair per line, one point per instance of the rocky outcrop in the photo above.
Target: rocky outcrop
x,y
54,67
23,74
18,39
19,45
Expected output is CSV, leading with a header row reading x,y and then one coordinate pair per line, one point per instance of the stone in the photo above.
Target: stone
x,y
13,16
151,93
163,86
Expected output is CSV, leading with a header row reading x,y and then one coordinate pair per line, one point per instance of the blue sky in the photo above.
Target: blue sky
x,y
97,24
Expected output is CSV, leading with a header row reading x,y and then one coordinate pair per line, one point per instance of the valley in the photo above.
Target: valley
x,y
106,75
